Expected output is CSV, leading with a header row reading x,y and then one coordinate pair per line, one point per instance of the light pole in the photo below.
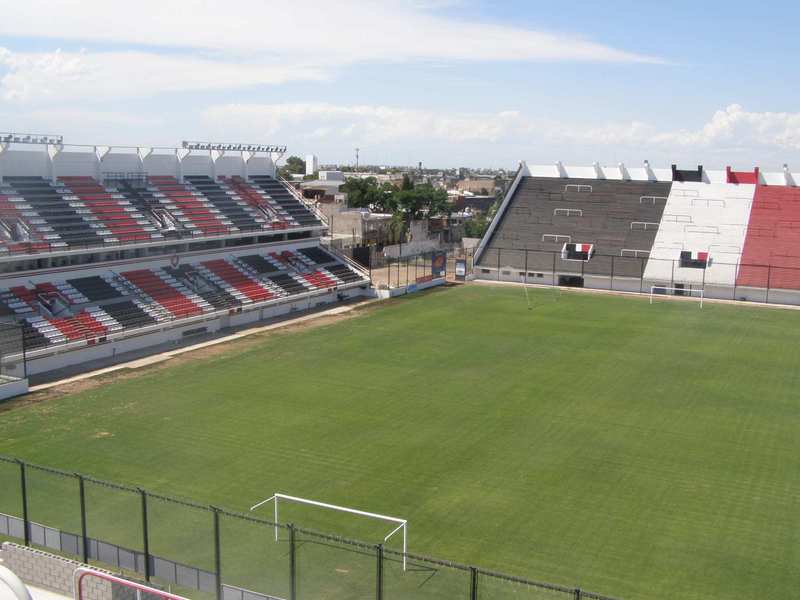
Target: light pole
x,y
357,149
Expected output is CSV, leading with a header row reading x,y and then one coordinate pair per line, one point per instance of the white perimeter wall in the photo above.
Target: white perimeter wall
x,y
161,164
34,161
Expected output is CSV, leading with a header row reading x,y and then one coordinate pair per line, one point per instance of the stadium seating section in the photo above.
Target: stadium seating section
x,y
701,217
773,239
86,309
731,228
618,218
37,215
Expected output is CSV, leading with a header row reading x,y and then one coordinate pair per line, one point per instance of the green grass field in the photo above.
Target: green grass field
x,y
638,451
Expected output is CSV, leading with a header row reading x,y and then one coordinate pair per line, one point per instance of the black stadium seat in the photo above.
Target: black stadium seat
x,y
344,273
287,283
94,288
317,255
259,264
128,314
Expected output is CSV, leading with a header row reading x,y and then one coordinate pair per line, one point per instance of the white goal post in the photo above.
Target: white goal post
x,y
685,292
402,524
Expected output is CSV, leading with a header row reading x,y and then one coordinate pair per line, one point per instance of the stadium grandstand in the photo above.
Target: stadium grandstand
x,y
732,234
107,250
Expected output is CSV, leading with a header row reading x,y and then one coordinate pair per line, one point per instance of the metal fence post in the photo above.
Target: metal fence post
x,y
473,583
769,276
84,532
379,572
24,357
24,489
292,563
217,555
525,277
611,285
672,275
145,535
641,274
554,268
704,280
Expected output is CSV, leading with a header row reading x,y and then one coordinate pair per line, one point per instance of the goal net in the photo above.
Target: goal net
x,y
395,525
666,292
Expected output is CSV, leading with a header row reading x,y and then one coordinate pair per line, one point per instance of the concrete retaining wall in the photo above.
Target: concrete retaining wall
x,y
51,572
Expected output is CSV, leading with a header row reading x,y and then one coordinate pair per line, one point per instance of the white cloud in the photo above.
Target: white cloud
x,y
344,31
68,76
363,122
734,126
220,45
369,124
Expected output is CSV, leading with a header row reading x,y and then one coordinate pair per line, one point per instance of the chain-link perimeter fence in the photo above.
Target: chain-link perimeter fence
x,y
404,271
210,553
635,272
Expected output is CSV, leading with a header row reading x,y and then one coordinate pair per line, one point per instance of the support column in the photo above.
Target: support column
x,y
180,155
53,150
143,154
100,153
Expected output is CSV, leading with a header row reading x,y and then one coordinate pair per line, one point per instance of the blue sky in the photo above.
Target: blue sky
x,y
446,82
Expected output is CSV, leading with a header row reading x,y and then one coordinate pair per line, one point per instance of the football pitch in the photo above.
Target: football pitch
x,y
636,450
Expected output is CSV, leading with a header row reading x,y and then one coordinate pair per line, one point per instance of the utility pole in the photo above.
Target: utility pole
x,y
357,149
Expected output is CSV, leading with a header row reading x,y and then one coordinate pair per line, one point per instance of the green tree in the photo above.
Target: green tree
x,y
476,226
367,193
294,166
421,200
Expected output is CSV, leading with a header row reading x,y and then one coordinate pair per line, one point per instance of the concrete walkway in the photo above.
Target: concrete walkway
x,y
40,594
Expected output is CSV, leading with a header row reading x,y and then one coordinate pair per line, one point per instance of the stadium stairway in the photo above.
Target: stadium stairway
x,y
259,200
241,215
191,209
284,199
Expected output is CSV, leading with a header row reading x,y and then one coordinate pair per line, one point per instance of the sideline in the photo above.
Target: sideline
x,y
706,299
162,356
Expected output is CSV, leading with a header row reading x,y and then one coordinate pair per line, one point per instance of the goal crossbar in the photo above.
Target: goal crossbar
x,y
402,524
